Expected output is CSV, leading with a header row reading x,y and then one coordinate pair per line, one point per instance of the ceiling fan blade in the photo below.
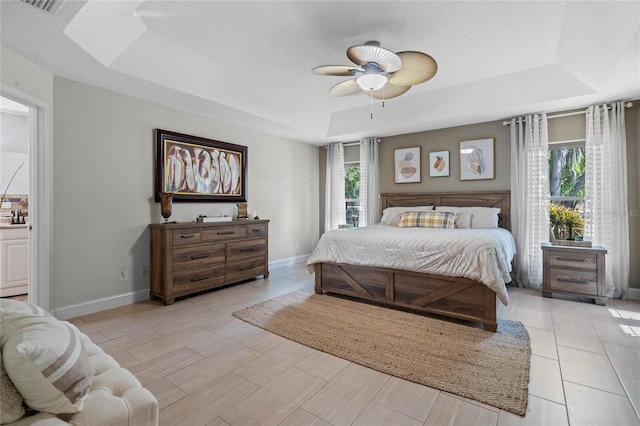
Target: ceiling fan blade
x,y
417,68
346,88
386,59
389,91
340,70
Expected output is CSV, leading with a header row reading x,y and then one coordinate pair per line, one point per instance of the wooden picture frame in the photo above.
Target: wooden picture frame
x,y
477,159
193,168
407,165
439,163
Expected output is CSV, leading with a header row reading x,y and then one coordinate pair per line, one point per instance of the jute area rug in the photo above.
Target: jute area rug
x,y
492,368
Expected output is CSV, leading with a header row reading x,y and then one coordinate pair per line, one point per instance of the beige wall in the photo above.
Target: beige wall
x,y
103,180
565,128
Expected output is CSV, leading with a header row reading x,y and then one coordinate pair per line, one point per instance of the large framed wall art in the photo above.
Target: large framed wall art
x,y
477,159
193,168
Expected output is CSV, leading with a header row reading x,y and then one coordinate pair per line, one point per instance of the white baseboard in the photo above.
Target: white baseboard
x,y
91,307
289,262
634,293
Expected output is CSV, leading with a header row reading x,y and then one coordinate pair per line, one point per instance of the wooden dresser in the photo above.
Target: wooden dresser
x,y
577,271
189,257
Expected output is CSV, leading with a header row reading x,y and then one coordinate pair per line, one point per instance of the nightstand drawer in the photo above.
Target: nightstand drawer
x,y
584,260
583,282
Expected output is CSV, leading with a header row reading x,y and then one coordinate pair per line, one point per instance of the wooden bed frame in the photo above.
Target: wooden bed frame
x,y
454,297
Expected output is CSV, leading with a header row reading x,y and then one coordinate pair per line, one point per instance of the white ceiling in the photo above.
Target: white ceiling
x,y
249,62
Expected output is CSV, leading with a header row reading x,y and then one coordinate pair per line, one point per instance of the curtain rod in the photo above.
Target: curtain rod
x,y
353,143
567,114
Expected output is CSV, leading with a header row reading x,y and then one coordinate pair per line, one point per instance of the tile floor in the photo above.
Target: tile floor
x,y
208,368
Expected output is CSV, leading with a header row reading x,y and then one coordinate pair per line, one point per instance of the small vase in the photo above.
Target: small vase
x,y
166,201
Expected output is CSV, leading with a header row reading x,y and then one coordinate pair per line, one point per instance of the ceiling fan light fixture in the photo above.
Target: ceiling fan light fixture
x,y
371,81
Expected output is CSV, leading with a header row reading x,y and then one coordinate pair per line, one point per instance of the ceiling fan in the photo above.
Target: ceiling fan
x,y
380,73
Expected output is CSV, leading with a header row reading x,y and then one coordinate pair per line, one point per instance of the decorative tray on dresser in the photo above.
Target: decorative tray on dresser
x,y
189,257
577,271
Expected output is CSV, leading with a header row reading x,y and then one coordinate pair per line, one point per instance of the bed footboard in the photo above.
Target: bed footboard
x,y
453,297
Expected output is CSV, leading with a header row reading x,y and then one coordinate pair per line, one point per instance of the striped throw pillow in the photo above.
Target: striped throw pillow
x,y
441,220
44,357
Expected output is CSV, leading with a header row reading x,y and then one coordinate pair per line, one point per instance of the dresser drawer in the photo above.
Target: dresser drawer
x,y
182,237
224,233
584,260
196,256
245,269
242,249
583,282
190,280
257,230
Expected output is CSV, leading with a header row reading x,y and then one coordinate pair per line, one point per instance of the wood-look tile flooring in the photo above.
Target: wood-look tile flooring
x,y
208,368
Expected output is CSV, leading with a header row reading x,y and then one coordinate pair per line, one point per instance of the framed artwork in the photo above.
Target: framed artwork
x,y
477,159
407,164
439,163
199,169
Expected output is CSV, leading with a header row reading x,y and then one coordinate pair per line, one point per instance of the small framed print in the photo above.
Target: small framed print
x,y
477,159
439,163
407,164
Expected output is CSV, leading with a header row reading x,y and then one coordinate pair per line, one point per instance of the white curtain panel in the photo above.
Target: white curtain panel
x,y
529,196
606,207
335,208
369,186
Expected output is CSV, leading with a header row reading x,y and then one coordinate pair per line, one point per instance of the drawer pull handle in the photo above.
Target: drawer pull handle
x,y
199,279
564,280
248,249
199,256
187,236
256,230
564,259
244,269
226,233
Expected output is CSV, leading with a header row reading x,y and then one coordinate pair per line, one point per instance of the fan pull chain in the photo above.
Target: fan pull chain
x,y
371,97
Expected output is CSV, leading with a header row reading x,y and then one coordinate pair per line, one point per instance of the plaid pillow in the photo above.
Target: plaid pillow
x,y
443,220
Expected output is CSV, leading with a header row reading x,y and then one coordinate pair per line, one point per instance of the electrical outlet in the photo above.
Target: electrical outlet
x,y
145,271
297,245
124,274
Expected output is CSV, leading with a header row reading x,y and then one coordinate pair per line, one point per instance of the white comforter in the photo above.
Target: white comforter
x,y
479,254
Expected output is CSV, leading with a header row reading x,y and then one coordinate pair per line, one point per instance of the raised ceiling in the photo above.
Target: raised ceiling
x,y
249,62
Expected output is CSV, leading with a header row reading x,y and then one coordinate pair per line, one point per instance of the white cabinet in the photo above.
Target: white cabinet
x,y
14,260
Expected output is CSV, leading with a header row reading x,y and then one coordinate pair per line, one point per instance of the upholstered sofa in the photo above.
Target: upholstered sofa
x,y
62,376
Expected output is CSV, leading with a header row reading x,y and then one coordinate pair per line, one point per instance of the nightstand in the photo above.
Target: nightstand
x,y
576,271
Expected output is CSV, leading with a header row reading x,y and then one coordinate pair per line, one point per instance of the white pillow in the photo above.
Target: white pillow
x,y
391,215
481,217
44,358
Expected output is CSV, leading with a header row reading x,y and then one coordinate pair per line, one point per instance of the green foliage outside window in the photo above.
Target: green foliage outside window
x,y
352,183
567,179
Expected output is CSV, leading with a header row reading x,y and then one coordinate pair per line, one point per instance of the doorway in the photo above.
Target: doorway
x,y
38,217
14,199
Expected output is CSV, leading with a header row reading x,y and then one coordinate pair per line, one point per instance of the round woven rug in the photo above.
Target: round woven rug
x,y
492,368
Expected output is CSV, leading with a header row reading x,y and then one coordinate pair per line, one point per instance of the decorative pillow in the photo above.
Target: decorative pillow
x,y
481,217
391,215
11,408
442,220
45,358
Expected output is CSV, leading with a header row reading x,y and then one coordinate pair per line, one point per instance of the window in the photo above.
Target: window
x,y
566,185
352,183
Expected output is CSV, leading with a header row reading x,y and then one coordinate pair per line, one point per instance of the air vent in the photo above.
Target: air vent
x,y
50,6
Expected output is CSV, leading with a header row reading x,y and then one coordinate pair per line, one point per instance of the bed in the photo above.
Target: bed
x,y
445,293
